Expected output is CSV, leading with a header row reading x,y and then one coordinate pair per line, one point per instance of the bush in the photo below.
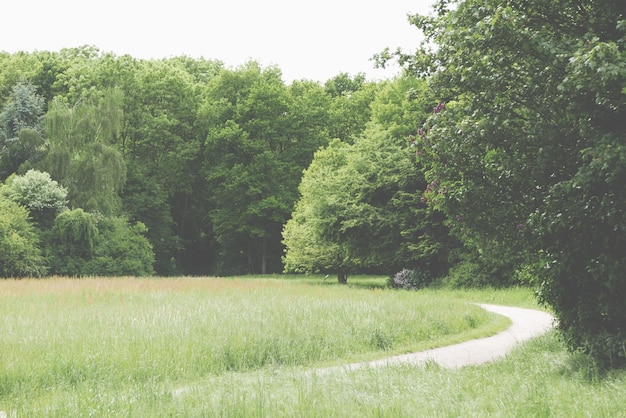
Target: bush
x,y
84,244
587,295
121,249
19,251
43,197
410,279
480,273
467,274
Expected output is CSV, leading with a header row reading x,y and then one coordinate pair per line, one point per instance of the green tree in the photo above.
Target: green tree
x,y
146,201
19,245
164,141
401,105
120,249
14,69
35,190
255,152
526,149
360,211
81,156
71,242
387,225
156,136
350,106
308,121
25,109
21,129
312,244
86,244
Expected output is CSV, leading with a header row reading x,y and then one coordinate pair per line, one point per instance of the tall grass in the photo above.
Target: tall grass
x,y
242,348
539,379
121,346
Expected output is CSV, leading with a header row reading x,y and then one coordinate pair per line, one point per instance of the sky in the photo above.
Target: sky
x,y
313,40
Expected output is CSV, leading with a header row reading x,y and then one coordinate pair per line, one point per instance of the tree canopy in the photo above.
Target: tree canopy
x,y
208,158
36,191
360,210
525,149
82,154
21,129
19,250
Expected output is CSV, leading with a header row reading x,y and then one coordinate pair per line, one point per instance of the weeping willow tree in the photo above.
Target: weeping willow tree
x,y
74,233
82,155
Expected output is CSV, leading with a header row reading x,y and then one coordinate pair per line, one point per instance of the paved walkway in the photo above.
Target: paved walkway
x,y
527,323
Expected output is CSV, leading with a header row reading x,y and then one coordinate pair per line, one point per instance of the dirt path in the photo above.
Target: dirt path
x,y
527,323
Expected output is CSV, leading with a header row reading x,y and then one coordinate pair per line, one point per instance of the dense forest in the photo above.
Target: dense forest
x,y
497,157
182,166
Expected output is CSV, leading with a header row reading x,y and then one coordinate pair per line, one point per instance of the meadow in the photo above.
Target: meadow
x,y
244,347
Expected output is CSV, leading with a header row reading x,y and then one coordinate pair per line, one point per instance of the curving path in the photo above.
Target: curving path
x,y
527,323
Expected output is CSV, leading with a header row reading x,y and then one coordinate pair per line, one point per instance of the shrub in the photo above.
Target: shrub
x,y
43,197
19,251
410,279
85,244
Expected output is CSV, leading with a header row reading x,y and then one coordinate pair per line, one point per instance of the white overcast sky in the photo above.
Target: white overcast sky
x,y
314,40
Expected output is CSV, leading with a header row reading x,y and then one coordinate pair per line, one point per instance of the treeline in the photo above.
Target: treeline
x,y
182,166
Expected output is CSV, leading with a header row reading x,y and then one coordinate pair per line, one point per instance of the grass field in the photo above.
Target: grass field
x,y
241,347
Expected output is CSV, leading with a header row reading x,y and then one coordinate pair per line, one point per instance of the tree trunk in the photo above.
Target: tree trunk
x,y
264,256
251,268
342,276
